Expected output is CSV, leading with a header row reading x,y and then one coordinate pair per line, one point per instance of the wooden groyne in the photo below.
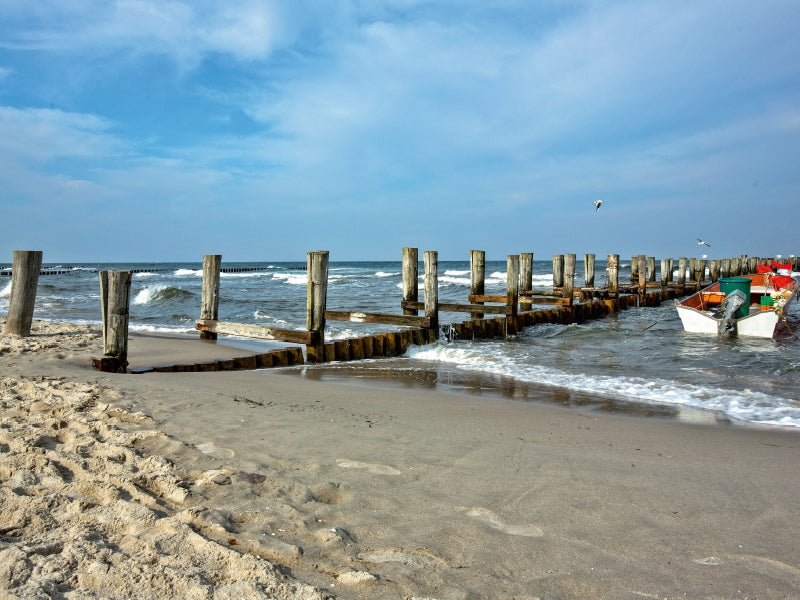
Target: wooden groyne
x,y
521,306
417,322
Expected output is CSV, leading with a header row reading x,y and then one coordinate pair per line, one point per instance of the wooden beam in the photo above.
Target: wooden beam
x,y
477,298
254,331
475,309
362,317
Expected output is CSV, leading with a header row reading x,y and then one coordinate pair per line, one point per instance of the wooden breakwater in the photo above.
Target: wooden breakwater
x,y
417,323
520,307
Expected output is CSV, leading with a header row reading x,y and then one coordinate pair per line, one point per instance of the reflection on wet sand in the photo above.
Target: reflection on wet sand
x,y
408,373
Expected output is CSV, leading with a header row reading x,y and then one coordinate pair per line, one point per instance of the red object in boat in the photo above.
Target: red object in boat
x,y
764,268
780,281
787,266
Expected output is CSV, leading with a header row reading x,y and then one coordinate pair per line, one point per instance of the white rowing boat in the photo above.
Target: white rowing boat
x,y
749,305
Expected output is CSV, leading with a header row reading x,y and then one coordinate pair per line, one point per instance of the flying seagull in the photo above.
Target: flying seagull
x,y
702,243
597,204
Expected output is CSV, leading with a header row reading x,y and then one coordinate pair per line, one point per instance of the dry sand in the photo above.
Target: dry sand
x,y
267,485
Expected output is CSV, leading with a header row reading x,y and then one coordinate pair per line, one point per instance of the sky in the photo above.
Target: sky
x,y
139,130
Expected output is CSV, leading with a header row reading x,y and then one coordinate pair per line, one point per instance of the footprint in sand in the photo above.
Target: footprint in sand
x,y
372,468
491,519
212,450
414,558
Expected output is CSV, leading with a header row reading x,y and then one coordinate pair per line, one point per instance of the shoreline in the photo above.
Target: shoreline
x,y
388,492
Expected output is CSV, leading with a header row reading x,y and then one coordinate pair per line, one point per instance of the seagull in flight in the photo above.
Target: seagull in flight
x,y
702,243
597,204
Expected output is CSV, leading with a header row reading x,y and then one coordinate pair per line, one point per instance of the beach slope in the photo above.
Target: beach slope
x,y
268,484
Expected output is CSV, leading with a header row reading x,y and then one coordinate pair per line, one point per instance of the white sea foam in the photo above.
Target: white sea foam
x,y
456,273
145,295
292,278
382,274
744,405
184,272
6,291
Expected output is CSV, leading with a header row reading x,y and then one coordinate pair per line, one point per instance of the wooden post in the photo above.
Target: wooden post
x,y
104,301
612,269
664,272
692,269
431,258
713,270
477,275
682,271
512,292
410,278
651,268
700,270
209,304
641,269
558,270
725,270
635,269
736,268
316,301
526,272
25,269
115,295
569,278
588,270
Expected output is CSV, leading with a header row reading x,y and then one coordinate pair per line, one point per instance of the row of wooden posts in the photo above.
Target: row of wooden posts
x,y
513,311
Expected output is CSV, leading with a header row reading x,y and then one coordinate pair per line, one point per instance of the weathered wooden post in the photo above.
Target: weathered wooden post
x,y
316,301
115,294
664,273
725,270
651,268
736,266
410,278
558,271
641,269
525,279
743,265
700,271
512,292
25,269
568,285
209,303
477,275
525,272
682,272
612,271
670,267
431,259
588,270
635,268
713,270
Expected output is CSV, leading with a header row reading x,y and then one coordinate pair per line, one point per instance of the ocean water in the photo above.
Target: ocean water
x,y
639,359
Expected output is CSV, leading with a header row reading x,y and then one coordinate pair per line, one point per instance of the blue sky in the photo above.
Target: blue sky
x,y
259,130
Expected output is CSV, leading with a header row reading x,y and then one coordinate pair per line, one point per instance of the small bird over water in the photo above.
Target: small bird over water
x,y
702,243
597,204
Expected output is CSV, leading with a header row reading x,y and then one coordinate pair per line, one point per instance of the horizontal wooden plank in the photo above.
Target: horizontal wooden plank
x,y
486,298
475,308
254,331
467,308
362,317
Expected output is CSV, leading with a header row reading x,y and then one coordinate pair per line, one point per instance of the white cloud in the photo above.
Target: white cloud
x,y
43,134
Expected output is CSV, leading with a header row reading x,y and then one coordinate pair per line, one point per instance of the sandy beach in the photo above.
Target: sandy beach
x,y
267,484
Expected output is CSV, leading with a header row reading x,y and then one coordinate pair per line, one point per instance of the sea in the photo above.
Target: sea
x,y
638,361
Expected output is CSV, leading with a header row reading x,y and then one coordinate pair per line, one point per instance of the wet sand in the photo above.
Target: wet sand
x,y
238,483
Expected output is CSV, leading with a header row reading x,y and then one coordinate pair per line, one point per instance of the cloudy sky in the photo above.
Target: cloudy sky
x,y
260,130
